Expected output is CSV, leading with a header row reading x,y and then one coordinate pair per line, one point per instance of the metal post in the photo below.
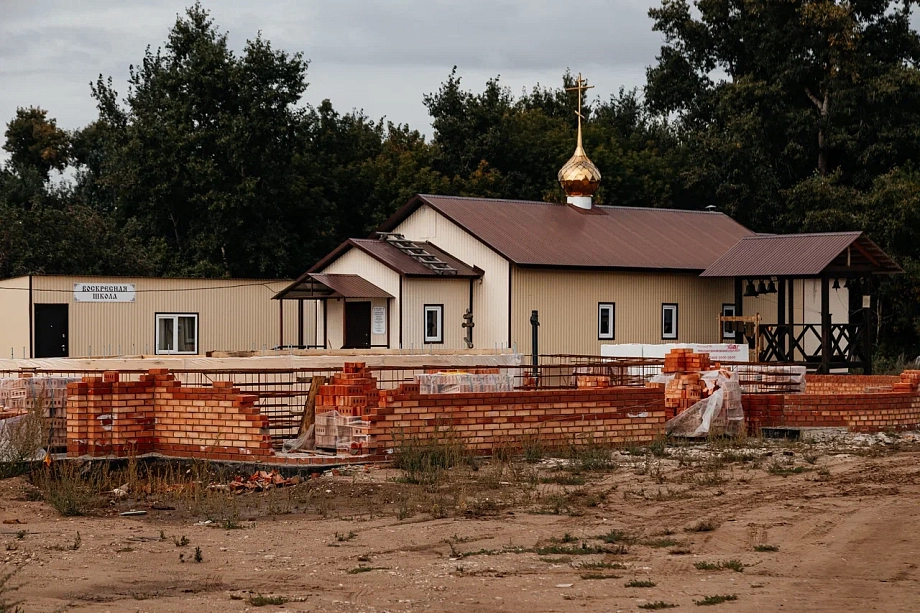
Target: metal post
x,y
300,323
869,322
825,325
281,323
791,320
534,343
781,318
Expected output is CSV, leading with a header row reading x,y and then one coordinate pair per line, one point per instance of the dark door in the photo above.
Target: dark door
x,y
357,325
51,331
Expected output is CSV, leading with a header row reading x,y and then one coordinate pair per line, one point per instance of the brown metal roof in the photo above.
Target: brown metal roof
x,y
803,255
402,263
312,286
531,233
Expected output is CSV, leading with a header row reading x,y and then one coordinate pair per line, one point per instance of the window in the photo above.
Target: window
x,y
728,329
177,333
605,320
668,321
434,323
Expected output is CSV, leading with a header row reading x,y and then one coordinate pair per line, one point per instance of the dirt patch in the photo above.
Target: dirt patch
x,y
779,526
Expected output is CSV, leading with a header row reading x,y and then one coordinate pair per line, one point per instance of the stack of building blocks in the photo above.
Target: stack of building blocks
x,y
684,360
592,381
49,394
350,392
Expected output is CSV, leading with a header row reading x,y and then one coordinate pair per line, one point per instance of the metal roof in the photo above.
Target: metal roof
x,y
803,255
313,286
402,263
544,234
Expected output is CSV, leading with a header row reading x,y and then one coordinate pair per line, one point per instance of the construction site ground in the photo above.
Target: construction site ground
x,y
752,526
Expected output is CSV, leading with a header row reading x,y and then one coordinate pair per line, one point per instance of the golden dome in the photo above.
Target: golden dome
x,y
579,177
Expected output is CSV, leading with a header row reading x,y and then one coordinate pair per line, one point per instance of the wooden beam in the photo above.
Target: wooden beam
x,y
309,407
825,325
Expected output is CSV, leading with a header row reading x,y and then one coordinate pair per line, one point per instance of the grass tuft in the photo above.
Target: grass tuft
x,y
261,601
713,600
763,548
702,526
641,583
658,604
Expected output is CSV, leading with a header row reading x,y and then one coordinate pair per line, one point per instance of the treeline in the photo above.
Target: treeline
x,y
789,116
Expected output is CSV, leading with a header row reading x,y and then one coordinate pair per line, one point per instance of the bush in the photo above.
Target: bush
x,y
21,440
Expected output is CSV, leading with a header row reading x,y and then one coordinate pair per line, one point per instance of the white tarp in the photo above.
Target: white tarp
x,y
718,352
720,413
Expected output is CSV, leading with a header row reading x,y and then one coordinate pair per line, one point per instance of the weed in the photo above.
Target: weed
x,y
533,448
811,458
162,535
561,560
702,526
658,604
127,549
659,447
784,470
680,552
712,600
599,576
198,556
583,549
363,569
342,538
566,538
21,534
763,548
261,601
706,566
7,605
565,479
660,543
615,536
77,542
181,542
734,565
823,474
590,455
641,583
424,461
599,565
69,493
23,438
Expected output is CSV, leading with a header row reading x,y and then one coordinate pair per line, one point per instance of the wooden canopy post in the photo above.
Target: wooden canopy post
x,y
792,342
300,323
281,323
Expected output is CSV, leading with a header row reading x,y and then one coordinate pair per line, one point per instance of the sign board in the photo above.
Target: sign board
x,y
867,302
379,321
104,292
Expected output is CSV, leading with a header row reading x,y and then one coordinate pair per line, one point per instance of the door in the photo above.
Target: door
x,y
357,325
51,331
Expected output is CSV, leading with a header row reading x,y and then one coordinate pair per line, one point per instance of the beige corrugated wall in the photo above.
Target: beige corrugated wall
x,y
567,303
490,295
356,262
453,294
233,314
14,317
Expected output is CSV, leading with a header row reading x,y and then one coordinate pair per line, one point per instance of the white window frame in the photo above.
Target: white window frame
x,y
612,308
175,340
665,307
439,310
728,310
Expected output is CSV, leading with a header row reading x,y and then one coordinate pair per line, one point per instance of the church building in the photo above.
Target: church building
x,y
591,274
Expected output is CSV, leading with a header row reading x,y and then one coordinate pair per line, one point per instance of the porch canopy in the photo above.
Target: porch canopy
x,y
319,286
773,262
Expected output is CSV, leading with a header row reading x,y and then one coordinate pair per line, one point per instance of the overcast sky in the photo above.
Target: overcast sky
x,y
381,56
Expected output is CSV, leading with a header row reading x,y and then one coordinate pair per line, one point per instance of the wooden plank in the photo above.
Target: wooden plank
x,y
309,407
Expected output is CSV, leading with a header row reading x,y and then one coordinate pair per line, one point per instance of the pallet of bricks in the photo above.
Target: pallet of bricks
x,y
467,381
21,394
687,387
341,406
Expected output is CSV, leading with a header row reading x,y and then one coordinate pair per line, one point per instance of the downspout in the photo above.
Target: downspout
x,y
400,311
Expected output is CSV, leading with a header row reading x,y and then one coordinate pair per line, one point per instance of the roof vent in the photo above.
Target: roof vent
x,y
711,208
417,253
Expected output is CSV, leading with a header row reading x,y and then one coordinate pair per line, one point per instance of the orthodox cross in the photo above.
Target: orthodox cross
x,y
581,85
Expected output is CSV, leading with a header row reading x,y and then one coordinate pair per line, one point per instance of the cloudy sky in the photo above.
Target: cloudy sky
x,y
376,55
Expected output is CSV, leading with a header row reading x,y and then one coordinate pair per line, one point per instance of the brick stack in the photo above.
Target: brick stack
x,y
684,360
350,392
106,417
686,388
582,381
18,395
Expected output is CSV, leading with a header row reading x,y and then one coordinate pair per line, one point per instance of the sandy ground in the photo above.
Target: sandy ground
x,y
844,521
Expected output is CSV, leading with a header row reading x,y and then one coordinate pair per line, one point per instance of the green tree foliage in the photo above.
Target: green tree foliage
x,y
34,142
801,115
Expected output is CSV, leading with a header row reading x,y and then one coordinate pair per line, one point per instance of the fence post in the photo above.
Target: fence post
x,y
534,342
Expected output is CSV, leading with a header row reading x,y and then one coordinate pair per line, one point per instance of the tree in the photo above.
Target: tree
x,y
34,142
207,155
